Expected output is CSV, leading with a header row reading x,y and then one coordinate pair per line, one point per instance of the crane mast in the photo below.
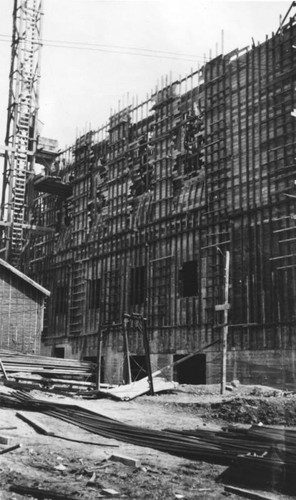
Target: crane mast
x,y
21,130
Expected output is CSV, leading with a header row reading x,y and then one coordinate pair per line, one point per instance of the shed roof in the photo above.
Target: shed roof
x,y
23,276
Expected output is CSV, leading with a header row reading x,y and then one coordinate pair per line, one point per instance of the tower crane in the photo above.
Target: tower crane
x,y
21,130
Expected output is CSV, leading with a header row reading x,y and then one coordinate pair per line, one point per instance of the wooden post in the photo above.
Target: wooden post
x,y
147,355
99,358
128,374
3,370
225,327
224,307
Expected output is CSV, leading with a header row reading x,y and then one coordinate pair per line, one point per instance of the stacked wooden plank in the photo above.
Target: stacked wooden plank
x,y
46,371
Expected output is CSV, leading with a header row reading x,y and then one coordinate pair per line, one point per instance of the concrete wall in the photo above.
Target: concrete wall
x,y
267,367
271,367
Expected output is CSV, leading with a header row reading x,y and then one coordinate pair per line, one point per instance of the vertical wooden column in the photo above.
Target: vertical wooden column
x,y
127,370
3,370
99,357
224,307
147,355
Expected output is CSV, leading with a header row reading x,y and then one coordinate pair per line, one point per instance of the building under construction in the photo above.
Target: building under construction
x,y
138,218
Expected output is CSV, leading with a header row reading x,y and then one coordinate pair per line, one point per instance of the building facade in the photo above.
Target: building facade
x,y
140,214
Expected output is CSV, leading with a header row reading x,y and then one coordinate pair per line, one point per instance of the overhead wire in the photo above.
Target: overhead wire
x,y
120,47
116,49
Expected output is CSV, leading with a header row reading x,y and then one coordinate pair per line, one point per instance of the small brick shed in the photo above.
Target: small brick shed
x,y
21,310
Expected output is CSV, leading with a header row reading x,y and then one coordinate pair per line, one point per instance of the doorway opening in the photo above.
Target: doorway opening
x,y
192,371
93,359
59,352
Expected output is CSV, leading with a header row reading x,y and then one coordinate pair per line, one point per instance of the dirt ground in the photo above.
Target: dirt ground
x,y
82,470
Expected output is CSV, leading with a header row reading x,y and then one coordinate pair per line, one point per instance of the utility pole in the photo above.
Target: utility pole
x,y
225,308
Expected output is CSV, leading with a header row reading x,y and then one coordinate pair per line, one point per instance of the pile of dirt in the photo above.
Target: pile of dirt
x,y
268,411
245,404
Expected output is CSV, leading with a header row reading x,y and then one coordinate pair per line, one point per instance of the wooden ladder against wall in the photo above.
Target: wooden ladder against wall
x,y
77,299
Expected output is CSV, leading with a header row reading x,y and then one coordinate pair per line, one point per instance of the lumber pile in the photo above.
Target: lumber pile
x,y
45,372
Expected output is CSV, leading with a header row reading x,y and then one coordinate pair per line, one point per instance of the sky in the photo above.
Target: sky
x,y
131,44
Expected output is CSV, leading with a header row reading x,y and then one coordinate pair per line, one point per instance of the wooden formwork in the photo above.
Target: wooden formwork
x,y
203,165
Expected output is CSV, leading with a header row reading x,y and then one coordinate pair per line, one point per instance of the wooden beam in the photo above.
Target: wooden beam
x,y
33,423
41,229
38,493
225,327
222,307
283,256
99,358
175,363
147,355
3,370
10,448
126,319
254,495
